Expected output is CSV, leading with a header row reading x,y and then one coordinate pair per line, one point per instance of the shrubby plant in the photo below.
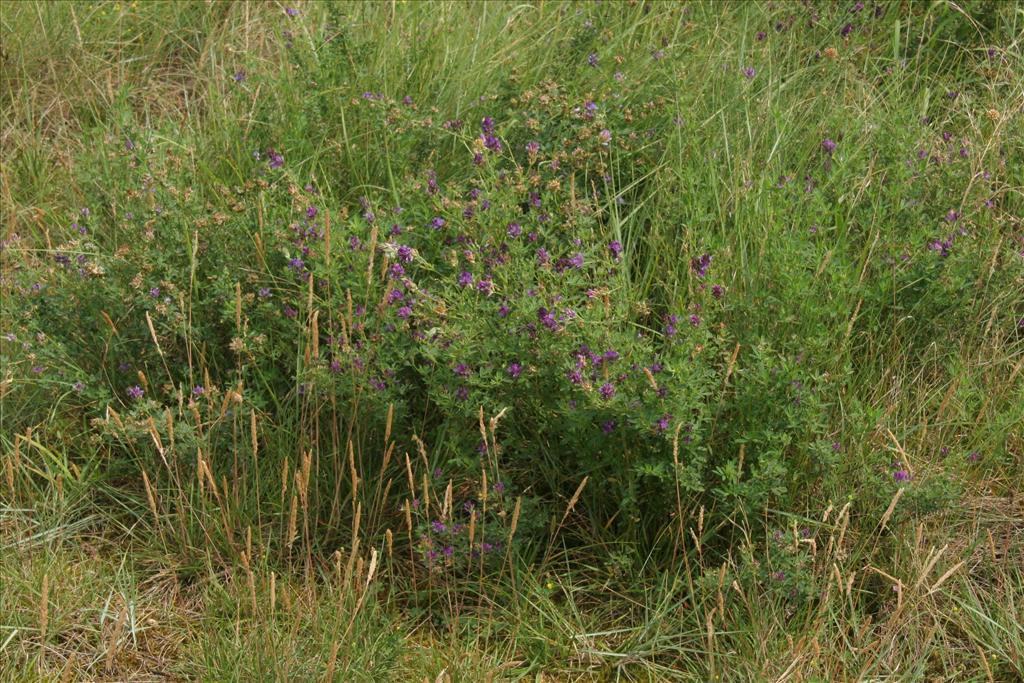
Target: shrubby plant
x,y
541,254
347,341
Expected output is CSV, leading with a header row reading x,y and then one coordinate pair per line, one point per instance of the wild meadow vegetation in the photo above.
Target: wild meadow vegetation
x,y
458,341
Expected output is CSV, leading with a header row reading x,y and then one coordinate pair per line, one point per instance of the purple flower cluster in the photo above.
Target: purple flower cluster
x,y
488,136
276,159
942,246
700,265
615,247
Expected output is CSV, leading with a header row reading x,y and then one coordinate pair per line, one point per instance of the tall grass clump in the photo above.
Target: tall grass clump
x,y
492,340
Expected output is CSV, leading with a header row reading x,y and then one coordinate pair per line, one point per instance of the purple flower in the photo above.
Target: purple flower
x,y
748,71
396,271
846,30
438,527
135,392
543,258
437,223
491,141
700,265
941,246
291,12
615,247
404,253
276,159
605,136
670,326
239,76
901,476
608,426
465,278
717,291
514,230
695,320
154,292
829,145
592,59
547,318
974,456
198,390
514,370
404,312
311,212
532,147
662,424
485,286
607,390
462,370
263,293
394,296
953,216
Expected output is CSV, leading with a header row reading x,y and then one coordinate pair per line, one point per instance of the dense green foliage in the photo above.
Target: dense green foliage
x,y
480,285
